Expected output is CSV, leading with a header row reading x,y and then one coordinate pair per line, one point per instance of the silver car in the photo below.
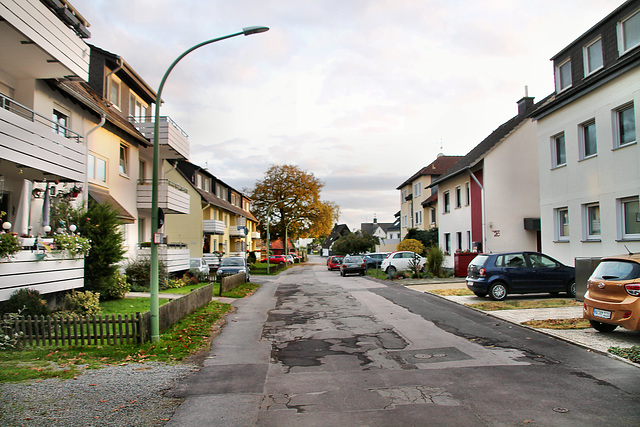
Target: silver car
x,y
233,265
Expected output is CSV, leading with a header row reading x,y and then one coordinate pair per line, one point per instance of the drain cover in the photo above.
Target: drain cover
x,y
433,355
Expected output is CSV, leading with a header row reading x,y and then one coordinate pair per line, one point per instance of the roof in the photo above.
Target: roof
x,y
431,199
439,166
82,93
477,154
338,230
102,195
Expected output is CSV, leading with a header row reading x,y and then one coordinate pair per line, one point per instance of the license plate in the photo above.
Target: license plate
x,y
603,314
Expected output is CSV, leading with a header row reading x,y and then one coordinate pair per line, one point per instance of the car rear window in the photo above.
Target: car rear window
x,y
617,270
479,260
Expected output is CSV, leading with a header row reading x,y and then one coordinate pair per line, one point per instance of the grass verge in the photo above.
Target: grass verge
x,y
460,292
630,353
515,304
128,305
187,337
572,323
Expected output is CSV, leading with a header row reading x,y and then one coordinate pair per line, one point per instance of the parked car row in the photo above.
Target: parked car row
x,y
282,259
228,267
349,264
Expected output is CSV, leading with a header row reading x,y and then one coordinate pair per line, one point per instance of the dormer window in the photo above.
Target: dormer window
x,y
593,57
563,75
114,91
629,32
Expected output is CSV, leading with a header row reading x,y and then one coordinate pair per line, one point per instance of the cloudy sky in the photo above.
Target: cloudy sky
x,y
361,93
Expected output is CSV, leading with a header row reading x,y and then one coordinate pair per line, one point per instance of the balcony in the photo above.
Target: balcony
x,y
174,255
255,235
213,226
172,198
39,146
235,231
173,141
48,273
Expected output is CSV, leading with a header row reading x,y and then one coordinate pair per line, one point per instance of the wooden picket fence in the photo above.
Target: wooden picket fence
x,y
75,330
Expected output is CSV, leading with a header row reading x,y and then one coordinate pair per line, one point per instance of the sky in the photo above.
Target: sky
x,y
361,93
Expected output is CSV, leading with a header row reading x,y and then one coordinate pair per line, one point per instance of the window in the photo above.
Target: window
x,y
468,240
458,197
562,224
137,109
447,243
61,123
591,220
468,194
558,151
403,196
625,125
592,57
123,166
97,168
588,146
447,203
459,240
433,215
563,75
419,217
141,171
629,33
404,221
417,189
629,218
114,91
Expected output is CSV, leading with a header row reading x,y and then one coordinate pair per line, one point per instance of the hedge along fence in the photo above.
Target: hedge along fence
x,y
101,330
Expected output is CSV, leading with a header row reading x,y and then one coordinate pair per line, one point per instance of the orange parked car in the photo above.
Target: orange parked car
x,y
613,294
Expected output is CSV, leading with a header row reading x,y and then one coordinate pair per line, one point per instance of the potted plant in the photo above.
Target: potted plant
x,y
74,244
9,245
75,191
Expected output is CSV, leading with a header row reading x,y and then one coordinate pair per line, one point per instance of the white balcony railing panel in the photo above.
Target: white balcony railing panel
x,y
255,235
176,259
48,32
174,142
234,231
36,146
52,274
172,198
213,226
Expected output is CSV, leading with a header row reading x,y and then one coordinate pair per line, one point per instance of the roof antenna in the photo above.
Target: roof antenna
x,y
526,91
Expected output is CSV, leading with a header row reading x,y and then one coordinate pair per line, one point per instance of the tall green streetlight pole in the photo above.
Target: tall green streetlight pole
x,y
288,199
156,237
286,237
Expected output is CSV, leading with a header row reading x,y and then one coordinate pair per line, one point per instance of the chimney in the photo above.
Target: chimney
x,y
524,105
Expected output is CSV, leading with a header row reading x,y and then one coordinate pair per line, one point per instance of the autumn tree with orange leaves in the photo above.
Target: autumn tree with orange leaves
x,y
304,216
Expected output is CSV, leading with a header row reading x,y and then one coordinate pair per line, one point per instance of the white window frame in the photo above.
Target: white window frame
x,y
417,189
582,135
617,126
93,161
587,229
61,118
447,243
433,216
622,49
405,221
561,235
418,217
403,195
123,163
469,240
588,70
622,232
560,87
446,202
138,109
114,81
555,160
458,197
467,189
459,242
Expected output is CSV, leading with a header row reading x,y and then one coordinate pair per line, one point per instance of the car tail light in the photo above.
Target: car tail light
x,y
483,272
633,289
626,314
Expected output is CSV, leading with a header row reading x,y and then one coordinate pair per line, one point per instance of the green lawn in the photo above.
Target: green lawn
x,y
128,305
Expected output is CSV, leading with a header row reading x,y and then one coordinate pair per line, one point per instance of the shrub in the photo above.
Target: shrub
x,y
82,303
177,283
9,340
411,245
435,258
251,258
138,273
27,302
118,289
9,245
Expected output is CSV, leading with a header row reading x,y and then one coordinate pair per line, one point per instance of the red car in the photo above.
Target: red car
x,y
334,262
276,259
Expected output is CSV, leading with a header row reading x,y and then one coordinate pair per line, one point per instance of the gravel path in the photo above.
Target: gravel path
x,y
126,395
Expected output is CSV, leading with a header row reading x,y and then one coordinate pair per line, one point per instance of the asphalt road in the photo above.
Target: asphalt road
x,y
311,348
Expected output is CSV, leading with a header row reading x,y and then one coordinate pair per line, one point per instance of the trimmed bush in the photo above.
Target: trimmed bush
x,y
138,274
82,303
118,289
435,258
26,302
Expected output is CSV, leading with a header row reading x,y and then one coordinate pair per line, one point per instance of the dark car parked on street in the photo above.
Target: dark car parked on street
x,y
519,273
374,260
352,264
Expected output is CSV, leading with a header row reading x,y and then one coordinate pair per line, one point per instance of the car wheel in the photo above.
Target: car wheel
x,y
571,289
342,273
392,271
602,327
498,291
480,294
362,273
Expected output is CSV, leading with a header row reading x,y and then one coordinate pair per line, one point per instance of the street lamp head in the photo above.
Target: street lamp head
x,y
247,31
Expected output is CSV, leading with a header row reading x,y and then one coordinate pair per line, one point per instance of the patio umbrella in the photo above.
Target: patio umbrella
x,y
46,207
24,207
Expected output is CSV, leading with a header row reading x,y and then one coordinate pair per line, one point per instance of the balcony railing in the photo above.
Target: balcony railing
x,y
235,231
174,255
172,197
254,235
213,226
172,139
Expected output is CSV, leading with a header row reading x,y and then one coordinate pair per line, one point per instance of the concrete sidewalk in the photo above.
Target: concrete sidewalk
x,y
588,338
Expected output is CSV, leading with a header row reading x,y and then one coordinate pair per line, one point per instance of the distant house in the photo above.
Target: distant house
x,y
489,200
338,230
418,208
588,148
387,234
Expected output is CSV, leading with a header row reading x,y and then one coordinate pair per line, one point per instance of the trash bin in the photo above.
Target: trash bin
x,y
584,268
461,261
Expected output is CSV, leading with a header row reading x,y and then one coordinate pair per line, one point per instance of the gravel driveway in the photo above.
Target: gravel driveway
x,y
125,395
